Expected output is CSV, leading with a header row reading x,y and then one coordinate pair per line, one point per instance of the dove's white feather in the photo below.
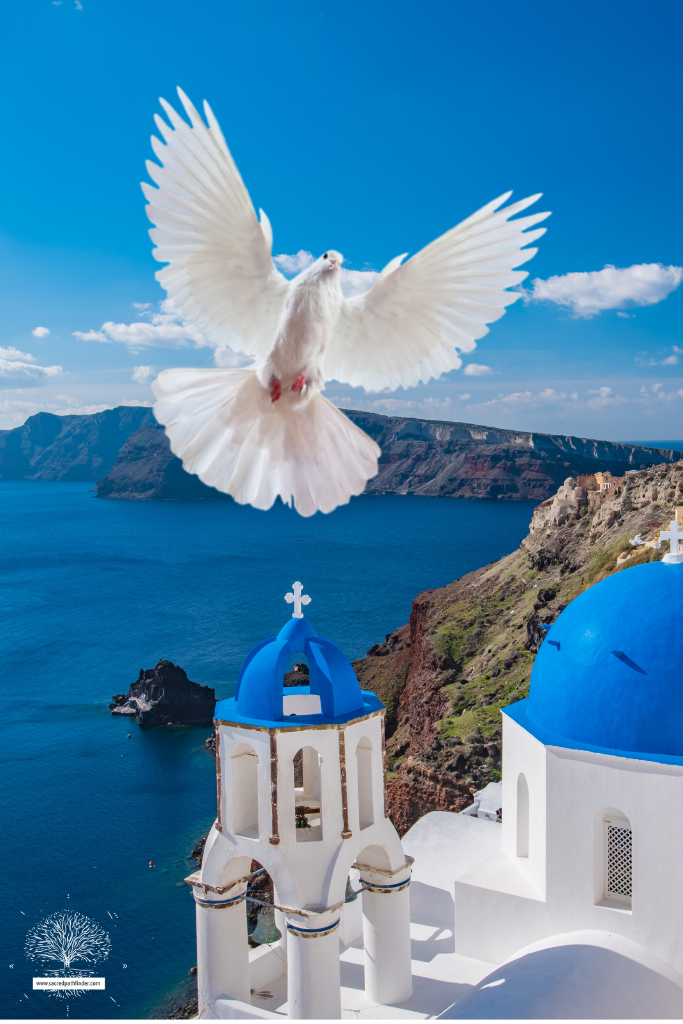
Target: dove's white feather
x,y
419,315
227,431
256,433
220,274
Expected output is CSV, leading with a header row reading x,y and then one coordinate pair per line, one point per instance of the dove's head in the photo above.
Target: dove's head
x,y
331,260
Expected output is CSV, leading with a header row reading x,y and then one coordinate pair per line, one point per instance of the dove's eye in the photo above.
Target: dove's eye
x,y
325,256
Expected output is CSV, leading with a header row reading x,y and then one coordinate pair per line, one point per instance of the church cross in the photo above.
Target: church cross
x,y
297,599
674,535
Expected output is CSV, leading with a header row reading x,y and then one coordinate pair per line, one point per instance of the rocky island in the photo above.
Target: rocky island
x,y
163,695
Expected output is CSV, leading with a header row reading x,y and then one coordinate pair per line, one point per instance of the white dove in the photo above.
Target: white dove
x,y
265,430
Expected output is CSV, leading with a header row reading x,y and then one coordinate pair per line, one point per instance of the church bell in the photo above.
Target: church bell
x,y
266,930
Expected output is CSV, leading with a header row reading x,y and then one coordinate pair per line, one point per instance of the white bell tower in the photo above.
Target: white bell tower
x,y
300,773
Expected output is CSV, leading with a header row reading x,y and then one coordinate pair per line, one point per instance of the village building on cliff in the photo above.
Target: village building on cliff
x,y
583,492
568,908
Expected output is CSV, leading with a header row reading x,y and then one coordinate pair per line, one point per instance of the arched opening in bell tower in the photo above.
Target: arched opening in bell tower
x,y
366,814
244,764
262,928
308,795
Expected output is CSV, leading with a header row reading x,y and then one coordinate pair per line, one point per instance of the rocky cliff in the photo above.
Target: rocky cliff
x,y
469,647
147,468
430,457
49,447
163,695
129,454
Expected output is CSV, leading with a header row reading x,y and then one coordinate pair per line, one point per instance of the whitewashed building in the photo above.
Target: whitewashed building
x,y
571,908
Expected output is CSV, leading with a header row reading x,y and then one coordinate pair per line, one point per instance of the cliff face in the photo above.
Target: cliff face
x,y
456,460
147,468
129,454
49,447
163,695
463,460
469,647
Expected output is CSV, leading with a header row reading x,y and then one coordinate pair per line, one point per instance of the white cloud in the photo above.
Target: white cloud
x,y
626,316
477,370
40,332
226,359
352,282
294,264
73,408
14,412
392,406
22,365
356,282
593,398
142,403
143,374
604,397
90,335
79,5
429,408
464,398
657,393
163,332
590,292
163,328
14,353
671,360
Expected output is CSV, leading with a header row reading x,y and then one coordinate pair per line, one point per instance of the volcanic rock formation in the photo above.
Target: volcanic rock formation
x,y
163,695
428,457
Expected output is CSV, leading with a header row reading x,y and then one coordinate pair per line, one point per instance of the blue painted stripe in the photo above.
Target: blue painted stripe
x,y
312,931
381,885
217,903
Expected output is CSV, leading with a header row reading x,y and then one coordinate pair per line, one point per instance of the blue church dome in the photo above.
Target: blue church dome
x,y
259,699
609,675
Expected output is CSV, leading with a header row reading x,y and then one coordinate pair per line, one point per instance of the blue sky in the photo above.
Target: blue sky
x,y
370,128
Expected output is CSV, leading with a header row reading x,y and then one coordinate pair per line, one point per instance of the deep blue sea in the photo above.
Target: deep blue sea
x,y
94,590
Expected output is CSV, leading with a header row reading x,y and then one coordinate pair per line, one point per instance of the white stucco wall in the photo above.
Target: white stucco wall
x,y
523,754
445,846
507,902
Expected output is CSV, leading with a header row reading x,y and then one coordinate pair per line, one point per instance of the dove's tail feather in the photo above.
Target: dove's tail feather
x,y
224,427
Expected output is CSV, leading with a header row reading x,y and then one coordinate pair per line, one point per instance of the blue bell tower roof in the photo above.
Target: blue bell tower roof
x,y
259,696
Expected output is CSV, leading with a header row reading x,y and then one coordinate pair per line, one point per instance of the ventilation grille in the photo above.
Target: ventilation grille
x,y
618,861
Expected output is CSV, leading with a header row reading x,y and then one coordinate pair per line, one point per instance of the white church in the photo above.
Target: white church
x,y
572,907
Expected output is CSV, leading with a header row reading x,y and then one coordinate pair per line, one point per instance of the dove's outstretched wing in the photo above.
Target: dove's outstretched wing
x,y
420,314
220,273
